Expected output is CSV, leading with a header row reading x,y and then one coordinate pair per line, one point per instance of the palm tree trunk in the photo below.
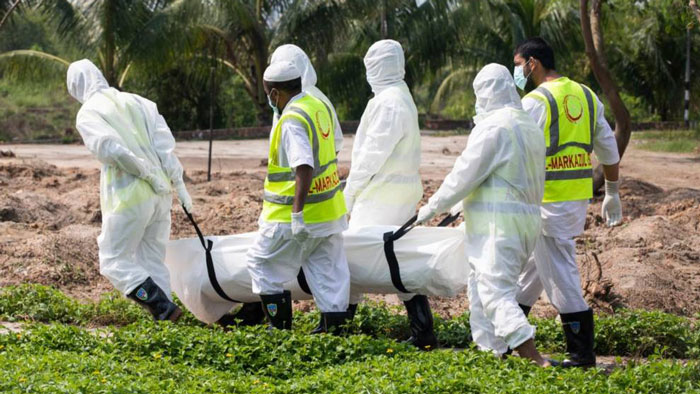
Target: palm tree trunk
x,y
107,52
592,35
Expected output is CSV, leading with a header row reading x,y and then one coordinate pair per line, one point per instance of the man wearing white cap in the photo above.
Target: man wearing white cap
x,y
303,213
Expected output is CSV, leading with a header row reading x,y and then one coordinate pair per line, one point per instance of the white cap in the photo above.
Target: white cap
x,y
281,71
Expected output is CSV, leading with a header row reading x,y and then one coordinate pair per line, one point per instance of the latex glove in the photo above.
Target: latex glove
x,y
424,214
349,202
612,207
159,184
299,230
456,209
184,196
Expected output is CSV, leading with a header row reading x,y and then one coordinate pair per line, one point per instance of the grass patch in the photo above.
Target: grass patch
x,y
627,333
33,111
674,141
146,357
136,355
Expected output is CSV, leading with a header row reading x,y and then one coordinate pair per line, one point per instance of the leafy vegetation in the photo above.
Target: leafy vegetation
x,y
133,354
627,333
166,50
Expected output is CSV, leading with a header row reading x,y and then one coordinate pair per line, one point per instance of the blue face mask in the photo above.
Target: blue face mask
x,y
519,77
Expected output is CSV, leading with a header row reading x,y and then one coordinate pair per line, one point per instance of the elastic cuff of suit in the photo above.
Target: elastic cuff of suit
x,y
612,187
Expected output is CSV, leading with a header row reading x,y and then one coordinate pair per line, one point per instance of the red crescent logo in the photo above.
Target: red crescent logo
x,y
573,104
325,134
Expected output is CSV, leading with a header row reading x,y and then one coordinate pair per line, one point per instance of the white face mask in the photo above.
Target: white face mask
x,y
519,77
273,105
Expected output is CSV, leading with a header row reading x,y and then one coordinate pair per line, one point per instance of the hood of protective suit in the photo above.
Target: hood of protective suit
x,y
494,89
385,63
84,79
296,55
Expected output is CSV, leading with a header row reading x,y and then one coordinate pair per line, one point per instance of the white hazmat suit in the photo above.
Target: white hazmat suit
x,y
500,177
130,138
298,57
384,185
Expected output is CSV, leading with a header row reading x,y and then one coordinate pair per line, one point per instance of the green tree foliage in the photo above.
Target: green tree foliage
x,y
647,52
165,49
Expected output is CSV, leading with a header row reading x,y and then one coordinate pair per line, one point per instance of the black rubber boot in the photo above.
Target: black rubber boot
x,y
334,322
249,314
322,326
155,301
352,309
579,332
278,310
526,311
420,319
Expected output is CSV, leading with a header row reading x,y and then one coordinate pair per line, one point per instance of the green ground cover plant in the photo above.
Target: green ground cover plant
x,y
144,357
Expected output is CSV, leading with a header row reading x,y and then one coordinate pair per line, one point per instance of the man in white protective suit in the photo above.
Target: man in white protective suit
x,y
572,119
251,313
130,138
500,180
303,213
384,186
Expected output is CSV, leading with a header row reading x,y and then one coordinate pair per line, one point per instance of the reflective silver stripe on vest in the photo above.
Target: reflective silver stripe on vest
x,y
591,115
314,135
570,174
318,168
554,146
290,176
310,199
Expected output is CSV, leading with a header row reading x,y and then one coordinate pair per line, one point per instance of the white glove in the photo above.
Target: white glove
x,y
457,209
159,185
299,230
184,196
612,207
424,214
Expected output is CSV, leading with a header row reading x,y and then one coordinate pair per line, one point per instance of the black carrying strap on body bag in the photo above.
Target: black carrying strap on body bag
x,y
393,236
303,284
207,244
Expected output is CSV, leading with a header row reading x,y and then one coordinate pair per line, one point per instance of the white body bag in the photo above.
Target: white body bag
x,y
210,275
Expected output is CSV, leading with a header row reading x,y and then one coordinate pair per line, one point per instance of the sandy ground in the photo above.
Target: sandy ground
x,y
49,219
661,169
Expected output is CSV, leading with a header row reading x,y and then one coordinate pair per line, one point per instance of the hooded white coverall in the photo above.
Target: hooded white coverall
x,y
130,138
554,260
500,178
298,57
384,186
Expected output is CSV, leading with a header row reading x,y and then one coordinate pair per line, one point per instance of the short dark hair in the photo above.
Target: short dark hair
x,y
538,48
291,86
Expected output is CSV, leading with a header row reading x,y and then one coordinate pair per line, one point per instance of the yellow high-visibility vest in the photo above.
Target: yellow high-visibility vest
x,y
568,132
325,201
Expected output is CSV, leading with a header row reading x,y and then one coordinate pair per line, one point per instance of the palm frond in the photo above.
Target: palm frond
x,y
29,65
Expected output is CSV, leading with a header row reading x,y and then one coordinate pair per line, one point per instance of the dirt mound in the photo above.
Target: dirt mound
x,y
66,259
50,219
35,169
652,261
